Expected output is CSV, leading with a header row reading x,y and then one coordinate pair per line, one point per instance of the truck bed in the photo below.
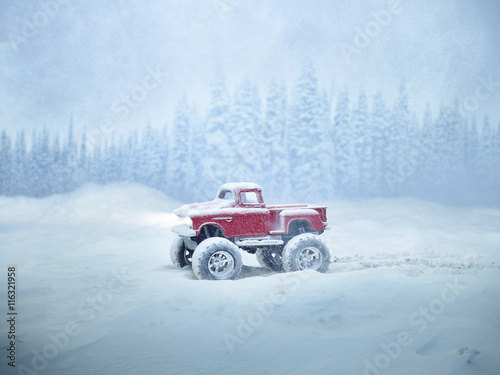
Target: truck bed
x,y
283,213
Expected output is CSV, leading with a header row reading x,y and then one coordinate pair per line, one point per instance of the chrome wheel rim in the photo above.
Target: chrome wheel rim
x,y
221,264
188,256
310,258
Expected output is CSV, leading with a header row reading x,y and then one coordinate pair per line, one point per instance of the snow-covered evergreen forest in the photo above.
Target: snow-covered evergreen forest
x,y
298,141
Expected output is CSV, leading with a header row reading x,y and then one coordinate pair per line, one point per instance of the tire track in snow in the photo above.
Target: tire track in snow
x,y
414,264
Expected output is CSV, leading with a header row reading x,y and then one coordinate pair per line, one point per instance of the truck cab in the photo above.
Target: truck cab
x,y
250,215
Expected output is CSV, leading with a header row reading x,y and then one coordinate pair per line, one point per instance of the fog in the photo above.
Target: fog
x,y
67,58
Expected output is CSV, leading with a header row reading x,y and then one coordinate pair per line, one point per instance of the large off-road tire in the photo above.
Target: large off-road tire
x,y
270,257
179,254
306,252
217,259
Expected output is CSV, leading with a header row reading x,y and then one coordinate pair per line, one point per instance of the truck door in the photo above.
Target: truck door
x,y
253,216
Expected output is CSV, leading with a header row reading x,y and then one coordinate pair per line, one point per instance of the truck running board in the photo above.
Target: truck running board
x,y
256,241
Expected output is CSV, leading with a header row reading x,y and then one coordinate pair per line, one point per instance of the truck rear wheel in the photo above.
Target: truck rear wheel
x,y
217,259
270,257
179,254
306,252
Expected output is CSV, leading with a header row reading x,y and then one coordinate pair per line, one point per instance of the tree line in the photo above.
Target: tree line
x,y
300,143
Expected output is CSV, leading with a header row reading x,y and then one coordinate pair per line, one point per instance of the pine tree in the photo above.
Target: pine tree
x,y
438,177
486,159
305,148
496,164
197,155
278,178
95,162
426,158
41,164
112,164
150,162
455,154
380,142
397,151
178,162
81,171
20,164
417,153
472,150
326,143
361,169
246,135
448,156
6,166
163,152
216,144
68,161
57,176
343,143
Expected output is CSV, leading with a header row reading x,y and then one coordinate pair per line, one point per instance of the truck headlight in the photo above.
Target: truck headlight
x,y
184,220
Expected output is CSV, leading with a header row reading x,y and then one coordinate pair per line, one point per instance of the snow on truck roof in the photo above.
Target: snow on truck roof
x,y
240,185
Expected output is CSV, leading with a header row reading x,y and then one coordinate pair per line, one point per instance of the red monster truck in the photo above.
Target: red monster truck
x,y
283,237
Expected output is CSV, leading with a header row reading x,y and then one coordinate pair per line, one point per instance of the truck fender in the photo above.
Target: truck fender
x,y
211,230
299,222
309,216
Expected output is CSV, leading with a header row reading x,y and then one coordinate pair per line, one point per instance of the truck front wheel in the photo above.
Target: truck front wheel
x,y
306,252
217,259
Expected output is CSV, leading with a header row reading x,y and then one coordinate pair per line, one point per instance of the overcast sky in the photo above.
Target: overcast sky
x,y
59,58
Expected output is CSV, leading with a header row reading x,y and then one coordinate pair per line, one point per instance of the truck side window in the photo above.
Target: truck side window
x,y
249,197
226,194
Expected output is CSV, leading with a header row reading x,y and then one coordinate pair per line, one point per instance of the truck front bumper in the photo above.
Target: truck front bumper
x,y
184,230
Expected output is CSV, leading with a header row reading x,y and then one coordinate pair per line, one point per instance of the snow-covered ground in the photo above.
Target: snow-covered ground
x,y
415,289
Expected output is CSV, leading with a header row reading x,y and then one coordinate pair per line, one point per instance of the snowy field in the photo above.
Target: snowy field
x,y
415,289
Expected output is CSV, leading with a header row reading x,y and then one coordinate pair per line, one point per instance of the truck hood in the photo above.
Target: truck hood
x,y
203,208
